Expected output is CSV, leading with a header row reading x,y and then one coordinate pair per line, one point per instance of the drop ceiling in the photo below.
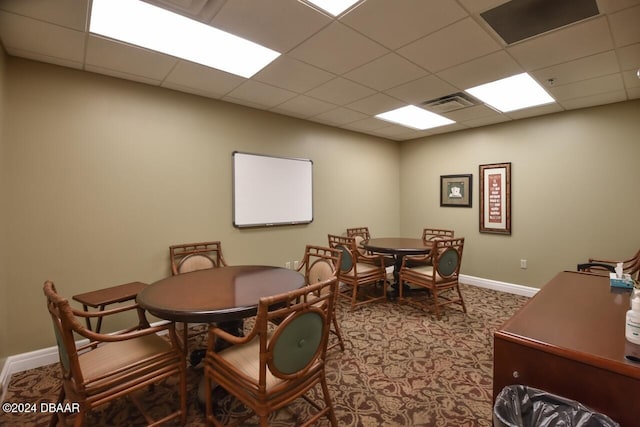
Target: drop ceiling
x,y
341,72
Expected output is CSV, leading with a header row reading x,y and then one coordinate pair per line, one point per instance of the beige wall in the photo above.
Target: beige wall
x,y
574,183
3,209
105,174
102,175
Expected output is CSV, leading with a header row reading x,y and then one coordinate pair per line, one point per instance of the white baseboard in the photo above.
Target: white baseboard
x,y
47,356
510,288
25,361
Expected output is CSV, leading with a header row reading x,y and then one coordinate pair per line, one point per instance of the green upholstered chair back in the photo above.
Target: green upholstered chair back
x,y
447,257
297,342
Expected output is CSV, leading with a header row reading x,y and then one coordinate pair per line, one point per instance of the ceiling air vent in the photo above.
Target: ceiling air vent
x,y
444,104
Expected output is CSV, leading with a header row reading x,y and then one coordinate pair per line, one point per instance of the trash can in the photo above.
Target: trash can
x,y
522,406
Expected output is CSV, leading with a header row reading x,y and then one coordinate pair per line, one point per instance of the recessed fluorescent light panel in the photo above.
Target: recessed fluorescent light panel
x,y
142,24
512,93
414,117
334,7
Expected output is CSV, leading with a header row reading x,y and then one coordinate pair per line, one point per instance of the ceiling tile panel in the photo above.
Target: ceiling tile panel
x,y
471,113
535,111
304,106
477,6
385,72
291,74
261,94
376,104
487,120
633,93
629,57
631,79
71,14
625,26
121,75
340,91
597,65
113,55
593,100
410,19
30,35
556,47
340,116
594,86
611,6
201,79
423,89
489,68
453,45
338,49
367,124
277,24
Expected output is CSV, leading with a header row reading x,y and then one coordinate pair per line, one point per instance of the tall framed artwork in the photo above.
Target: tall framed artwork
x,y
495,198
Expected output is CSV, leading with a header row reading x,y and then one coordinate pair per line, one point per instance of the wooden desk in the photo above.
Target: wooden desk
x,y
570,340
102,297
398,247
216,295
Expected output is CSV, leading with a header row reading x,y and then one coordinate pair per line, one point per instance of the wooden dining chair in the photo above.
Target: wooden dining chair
x,y
630,266
440,276
110,366
281,359
188,257
361,234
319,264
359,272
430,235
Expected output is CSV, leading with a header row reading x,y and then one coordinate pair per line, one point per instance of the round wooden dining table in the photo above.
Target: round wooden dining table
x,y
216,295
398,247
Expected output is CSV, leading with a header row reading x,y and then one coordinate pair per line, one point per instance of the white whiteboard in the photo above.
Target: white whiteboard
x,y
271,190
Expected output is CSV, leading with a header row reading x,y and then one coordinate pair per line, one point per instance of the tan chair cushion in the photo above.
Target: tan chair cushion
x,y
362,268
359,239
320,271
111,356
245,358
195,262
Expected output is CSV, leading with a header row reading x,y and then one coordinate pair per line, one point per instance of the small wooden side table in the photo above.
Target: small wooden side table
x,y
102,297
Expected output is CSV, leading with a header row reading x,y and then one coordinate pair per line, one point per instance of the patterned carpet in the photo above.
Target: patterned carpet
x,y
400,367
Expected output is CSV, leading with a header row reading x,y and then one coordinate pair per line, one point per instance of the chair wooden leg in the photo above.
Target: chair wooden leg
x,y
337,332
327,401
56,417
434,290
354,297
464,308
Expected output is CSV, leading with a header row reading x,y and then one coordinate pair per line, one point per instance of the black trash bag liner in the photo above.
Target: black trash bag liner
x,y
522,406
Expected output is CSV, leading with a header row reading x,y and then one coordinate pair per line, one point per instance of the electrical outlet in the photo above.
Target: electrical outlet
x,y
523,264
288,265
295,264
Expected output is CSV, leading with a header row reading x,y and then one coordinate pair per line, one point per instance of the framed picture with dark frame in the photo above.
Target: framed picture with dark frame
x,y
495,198
455,190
